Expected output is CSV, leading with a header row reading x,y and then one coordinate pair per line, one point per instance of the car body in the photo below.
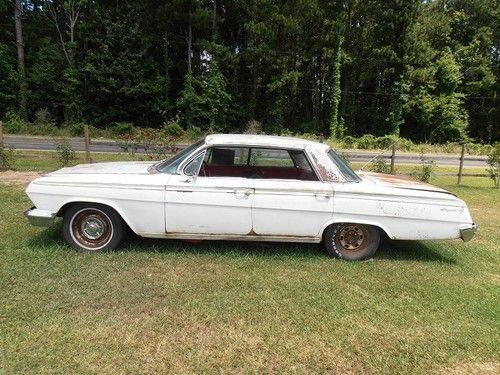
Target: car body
x,y
246,187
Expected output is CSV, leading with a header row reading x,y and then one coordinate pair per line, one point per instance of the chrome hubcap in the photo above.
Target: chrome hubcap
x,y
351,237
92,227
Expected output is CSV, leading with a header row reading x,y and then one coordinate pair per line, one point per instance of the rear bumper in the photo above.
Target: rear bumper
x,y
40,218
467,233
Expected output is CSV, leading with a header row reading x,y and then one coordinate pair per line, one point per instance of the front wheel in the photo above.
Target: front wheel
x,y
92,227
351,241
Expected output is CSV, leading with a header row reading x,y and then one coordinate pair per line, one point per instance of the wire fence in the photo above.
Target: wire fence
x,y
388,158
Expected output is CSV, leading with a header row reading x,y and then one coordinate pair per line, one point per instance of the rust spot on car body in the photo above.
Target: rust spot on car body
x,y
399,181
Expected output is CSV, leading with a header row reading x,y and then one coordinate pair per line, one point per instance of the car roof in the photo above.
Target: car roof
x,y
263,140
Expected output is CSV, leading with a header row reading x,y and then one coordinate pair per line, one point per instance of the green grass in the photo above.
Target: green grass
x,y
172,307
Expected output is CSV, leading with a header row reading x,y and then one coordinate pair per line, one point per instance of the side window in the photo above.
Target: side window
x,y
280,164
300,160
263,157
227,156
225,162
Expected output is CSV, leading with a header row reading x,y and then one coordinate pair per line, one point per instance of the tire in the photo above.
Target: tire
x,y
92,228
351,241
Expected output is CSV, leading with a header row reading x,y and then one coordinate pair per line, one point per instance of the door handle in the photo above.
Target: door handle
x,y
243,192
322,195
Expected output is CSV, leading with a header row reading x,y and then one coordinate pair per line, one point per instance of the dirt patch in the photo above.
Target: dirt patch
x,y
486,368
18,178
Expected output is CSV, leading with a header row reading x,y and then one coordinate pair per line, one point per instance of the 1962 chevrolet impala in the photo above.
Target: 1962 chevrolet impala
x,y
246,187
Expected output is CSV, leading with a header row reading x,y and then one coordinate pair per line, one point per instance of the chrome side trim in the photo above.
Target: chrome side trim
x,y
468,233
234,237
40,218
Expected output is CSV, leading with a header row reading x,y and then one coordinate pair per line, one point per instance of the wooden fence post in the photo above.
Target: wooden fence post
x,y
461,168
393,157
87,144
1,134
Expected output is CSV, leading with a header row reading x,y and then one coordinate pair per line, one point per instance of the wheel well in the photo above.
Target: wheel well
x,y
63,209
382,230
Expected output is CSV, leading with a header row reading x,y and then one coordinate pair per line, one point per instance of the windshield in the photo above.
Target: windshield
x,y
343,167
170,165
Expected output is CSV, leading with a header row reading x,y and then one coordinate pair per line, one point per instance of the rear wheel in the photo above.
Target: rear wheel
x,y
92,227
351,241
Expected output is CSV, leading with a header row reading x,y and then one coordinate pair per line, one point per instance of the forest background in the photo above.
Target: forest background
x,y
426,70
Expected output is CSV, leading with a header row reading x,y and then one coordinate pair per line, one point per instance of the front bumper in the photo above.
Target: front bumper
x,y
40,218
468,233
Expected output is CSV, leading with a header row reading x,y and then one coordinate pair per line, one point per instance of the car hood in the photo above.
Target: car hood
x,y
136,167
401,182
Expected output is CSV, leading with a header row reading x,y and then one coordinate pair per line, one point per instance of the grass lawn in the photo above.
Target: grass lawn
x,y
218,307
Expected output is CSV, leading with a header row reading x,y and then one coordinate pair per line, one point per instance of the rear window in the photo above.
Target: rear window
x,y
343,167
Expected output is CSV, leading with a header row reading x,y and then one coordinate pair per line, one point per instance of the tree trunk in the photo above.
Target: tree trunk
x,y
23,89
214,25
190,41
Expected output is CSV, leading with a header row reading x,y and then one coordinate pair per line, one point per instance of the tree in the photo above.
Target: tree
x,y
350,67
8,74
122,80
336,127
190,102
23,88
434,109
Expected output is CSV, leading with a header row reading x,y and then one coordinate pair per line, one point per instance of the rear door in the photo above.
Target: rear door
x,y
298,205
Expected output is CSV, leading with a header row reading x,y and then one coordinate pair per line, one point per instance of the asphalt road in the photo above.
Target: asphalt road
x,y
356,156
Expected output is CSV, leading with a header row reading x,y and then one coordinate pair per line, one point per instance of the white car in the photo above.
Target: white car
x,y
250,188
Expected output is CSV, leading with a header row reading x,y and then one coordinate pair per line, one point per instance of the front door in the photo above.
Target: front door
x,y
215,205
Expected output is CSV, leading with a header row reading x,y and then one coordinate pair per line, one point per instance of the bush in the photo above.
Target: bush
x,y
6,157
424,171
76,129
173,128
479,149
451,147
157,145
14,124
379,165
286,133
43,125
385,142
348,142
404,144
310,136
253,127
43,118
65,151
194,133
494,163
367,141
122,128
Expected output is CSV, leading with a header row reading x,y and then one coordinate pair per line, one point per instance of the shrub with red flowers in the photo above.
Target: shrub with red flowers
x,y
155,143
